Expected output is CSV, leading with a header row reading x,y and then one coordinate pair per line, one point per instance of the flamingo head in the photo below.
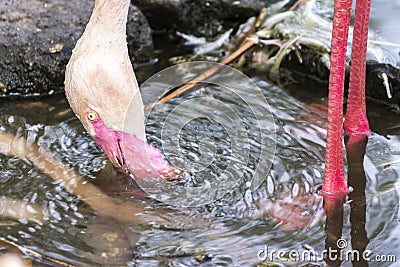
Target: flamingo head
x,y
128,152
102,90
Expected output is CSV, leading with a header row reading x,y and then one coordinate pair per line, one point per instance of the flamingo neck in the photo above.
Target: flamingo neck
x,y
111,11
100,75
107,24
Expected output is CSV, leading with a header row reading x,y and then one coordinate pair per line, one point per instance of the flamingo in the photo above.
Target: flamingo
x,y
101,89
100,86
356,126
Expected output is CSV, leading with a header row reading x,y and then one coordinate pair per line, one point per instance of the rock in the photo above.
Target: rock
x,y
375,84
37,38
313,72
200,18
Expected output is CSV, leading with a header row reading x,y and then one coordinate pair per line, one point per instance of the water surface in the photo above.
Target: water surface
x,y
284,213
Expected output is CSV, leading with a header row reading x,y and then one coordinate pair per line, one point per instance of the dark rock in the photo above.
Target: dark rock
x,y
37,38
313,69
200,18
375,83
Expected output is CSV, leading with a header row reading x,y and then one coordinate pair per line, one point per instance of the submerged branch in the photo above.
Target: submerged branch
x,y
137,213
16,146
16,259
20,210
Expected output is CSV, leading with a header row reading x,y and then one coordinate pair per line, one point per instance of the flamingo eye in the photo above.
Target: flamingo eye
x,y
92,116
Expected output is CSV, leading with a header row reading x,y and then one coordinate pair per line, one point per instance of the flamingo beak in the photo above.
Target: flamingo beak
x,y
112,146
129,153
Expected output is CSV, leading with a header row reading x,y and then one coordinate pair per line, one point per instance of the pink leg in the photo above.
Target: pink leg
x,y
334,181
356,123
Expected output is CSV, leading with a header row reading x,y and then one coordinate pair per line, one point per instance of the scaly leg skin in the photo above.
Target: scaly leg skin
x,y
334,180
356,123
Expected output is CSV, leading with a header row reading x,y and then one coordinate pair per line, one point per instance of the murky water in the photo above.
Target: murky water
x,y
284,213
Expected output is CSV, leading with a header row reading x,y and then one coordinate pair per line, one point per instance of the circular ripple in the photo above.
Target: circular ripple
x,y
236,99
